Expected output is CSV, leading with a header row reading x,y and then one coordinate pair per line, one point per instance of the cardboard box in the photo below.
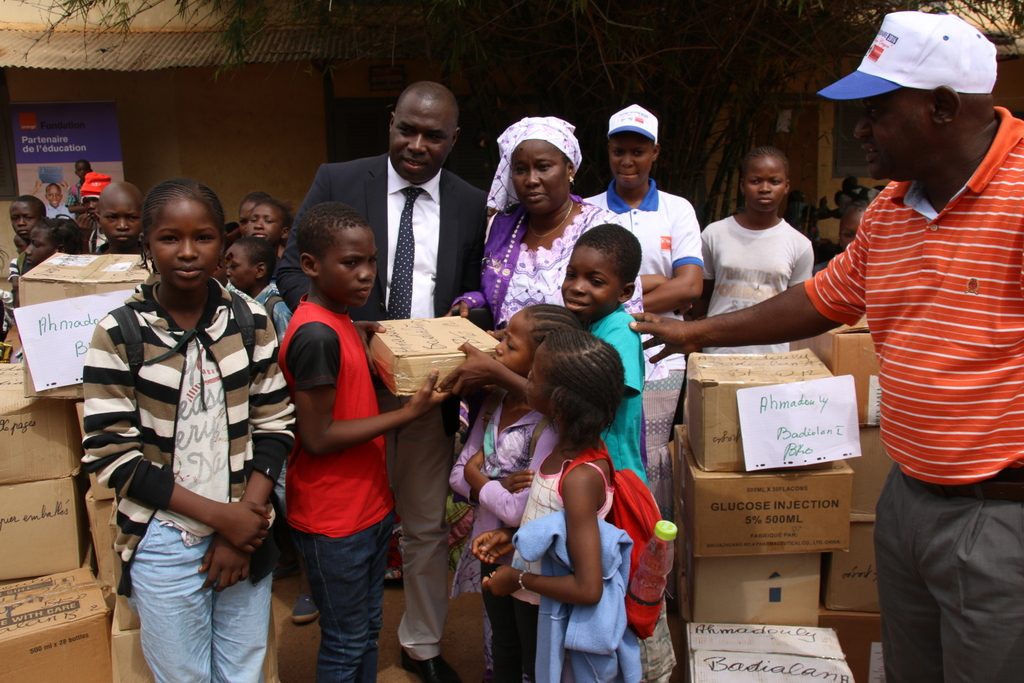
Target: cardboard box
x,y
129,664
410,349
40,528
64,276
860,635
849,350
870,471
99,491
54,628
765,589
712,417
792,511
731,653
100,513
38,437
851,577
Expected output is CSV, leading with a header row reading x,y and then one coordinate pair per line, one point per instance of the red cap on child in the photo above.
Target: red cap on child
x,y
93,184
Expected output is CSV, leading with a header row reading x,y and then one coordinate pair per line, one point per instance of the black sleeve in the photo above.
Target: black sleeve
x,y
314,357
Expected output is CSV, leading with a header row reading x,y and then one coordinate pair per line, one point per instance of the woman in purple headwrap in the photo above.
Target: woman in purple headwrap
x,y
538,222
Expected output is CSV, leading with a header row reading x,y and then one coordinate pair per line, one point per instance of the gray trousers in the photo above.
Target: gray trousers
x,y
951,585
420,457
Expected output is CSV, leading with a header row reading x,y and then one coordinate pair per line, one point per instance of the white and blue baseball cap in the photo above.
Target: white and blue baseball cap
x,y
921,51
634,119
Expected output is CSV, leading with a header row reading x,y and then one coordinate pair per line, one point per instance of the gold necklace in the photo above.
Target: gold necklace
x,y
542,235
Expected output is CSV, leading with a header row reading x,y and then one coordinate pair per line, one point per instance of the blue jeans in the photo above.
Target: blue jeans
x,y
190,633
346,577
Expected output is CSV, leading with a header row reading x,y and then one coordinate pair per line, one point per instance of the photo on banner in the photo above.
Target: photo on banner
x,y
49,137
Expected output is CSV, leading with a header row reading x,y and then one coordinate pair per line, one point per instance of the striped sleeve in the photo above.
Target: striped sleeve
x,y
113,439
271,414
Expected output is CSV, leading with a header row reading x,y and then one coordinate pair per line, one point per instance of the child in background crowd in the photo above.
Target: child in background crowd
x,y
577,381
849,224
88,219
671,272
192,440
245,208
270,219
119,213
74,201
250,264
26,211
754,255
340,506
598,281
51,236
506,445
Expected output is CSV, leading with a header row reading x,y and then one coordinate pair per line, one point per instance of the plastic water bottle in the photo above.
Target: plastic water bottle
x,y
648,582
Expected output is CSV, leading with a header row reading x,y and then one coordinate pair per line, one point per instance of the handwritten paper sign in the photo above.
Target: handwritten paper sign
x,y
56,335
800,423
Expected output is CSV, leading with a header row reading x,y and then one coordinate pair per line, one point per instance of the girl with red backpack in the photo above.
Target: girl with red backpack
x,y
577,381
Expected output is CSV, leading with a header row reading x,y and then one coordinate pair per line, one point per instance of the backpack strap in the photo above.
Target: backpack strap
x,y
246,324
131,333
538,432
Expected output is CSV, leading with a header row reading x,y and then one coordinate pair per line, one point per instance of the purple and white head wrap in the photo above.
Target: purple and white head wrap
x,y
547,128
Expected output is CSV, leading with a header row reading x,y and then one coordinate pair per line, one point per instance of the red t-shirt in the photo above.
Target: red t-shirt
x,y
335,494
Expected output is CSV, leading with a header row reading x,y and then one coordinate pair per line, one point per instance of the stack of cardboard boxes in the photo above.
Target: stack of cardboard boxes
x,y
751,550
850,592
53,614
58,624
53,617
752,546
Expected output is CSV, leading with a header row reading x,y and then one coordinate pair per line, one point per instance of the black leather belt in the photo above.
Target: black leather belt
x,y
1007,485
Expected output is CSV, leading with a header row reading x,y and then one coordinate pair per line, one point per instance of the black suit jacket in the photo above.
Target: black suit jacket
x,y
363,185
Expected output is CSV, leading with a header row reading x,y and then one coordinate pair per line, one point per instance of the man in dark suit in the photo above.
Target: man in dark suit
x,y
431,222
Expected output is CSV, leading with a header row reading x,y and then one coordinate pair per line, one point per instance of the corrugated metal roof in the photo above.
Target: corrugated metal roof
x,y
149,51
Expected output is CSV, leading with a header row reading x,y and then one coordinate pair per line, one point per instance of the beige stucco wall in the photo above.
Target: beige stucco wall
x,y
255,128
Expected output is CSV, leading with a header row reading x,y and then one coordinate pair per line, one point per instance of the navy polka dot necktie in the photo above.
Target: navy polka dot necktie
x,y
400,297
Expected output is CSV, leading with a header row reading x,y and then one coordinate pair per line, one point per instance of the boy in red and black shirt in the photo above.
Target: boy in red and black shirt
x,y
340,506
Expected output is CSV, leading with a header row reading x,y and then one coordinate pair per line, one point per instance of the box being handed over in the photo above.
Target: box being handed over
x,y
409,349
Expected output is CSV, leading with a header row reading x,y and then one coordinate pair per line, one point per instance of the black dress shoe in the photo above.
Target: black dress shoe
x,y
433,670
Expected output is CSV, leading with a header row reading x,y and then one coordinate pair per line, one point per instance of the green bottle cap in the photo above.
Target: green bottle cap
x,y
666,530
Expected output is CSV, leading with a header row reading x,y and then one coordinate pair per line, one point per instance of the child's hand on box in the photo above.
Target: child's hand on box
x,y
428,396
368,328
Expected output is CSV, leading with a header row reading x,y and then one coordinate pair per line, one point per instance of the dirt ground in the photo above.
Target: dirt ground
x,y
462,645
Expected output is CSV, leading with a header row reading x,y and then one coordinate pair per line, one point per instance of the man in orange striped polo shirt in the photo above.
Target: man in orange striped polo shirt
x,y
937,268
